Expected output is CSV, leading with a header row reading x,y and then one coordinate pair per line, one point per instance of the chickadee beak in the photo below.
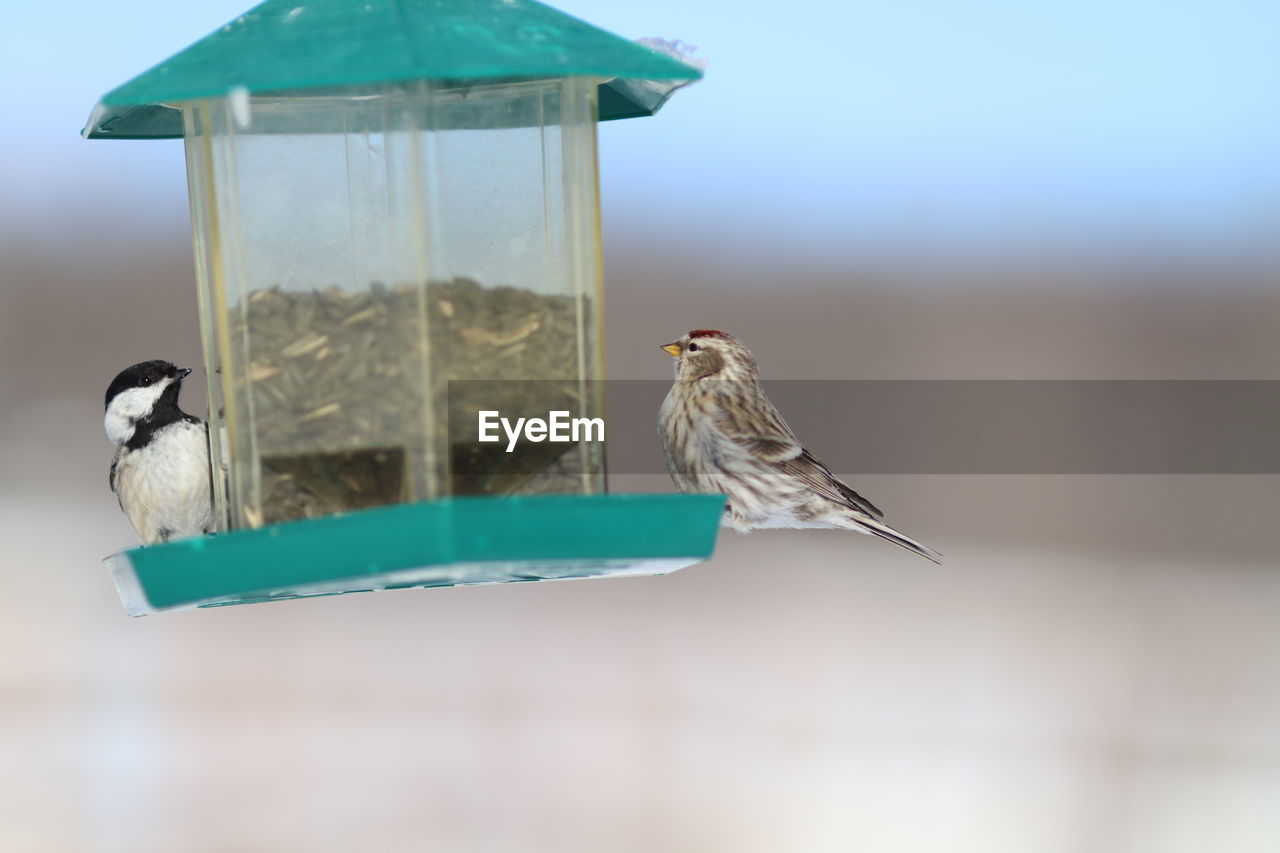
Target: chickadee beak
x,y
183,372
672,349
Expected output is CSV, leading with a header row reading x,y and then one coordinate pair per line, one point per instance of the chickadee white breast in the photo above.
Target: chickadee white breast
x,y
160,472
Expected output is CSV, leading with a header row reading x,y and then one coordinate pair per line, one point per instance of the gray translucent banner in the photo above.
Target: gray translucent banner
x,y
954,426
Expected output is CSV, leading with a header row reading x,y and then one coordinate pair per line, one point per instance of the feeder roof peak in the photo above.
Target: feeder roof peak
x,y
292,45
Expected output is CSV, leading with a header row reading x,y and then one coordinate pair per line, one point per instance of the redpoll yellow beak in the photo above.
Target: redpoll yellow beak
x,y
672,350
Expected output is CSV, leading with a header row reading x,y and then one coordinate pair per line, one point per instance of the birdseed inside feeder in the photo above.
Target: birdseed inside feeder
x,y
395,209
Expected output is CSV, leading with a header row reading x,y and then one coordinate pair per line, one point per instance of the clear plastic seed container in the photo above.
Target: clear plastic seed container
x,y
378,265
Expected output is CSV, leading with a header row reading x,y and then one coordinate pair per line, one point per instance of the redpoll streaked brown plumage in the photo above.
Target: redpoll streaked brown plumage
x,y
721,435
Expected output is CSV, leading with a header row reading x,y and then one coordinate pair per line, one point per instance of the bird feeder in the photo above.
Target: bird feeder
x,y
395,211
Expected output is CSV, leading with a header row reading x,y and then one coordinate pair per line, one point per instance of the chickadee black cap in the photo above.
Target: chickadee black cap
x,y
143,375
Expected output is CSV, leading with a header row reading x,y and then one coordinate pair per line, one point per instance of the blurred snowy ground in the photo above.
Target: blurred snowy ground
x,y
804,691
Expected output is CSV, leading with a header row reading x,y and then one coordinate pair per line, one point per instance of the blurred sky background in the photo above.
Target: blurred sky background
x,y
927,190
952,128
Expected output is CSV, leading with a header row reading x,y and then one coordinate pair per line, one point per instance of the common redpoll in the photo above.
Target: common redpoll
x,y
720,434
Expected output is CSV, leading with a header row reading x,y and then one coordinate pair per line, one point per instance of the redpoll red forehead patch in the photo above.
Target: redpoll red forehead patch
x,y
707,333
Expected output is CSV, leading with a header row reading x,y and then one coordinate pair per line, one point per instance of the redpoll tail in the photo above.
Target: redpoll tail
x,y
884,531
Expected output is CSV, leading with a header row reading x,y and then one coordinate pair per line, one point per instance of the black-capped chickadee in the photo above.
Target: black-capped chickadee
x,y
160,471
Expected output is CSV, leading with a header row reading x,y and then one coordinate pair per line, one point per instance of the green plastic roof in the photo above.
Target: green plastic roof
x,y
291,45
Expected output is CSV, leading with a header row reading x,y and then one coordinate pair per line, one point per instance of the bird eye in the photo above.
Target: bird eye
x,y
144,381
693,347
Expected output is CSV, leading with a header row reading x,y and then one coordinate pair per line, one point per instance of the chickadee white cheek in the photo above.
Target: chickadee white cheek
x,y
128,406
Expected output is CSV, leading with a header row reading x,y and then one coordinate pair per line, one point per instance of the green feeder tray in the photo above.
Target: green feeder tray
x,y
448,542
